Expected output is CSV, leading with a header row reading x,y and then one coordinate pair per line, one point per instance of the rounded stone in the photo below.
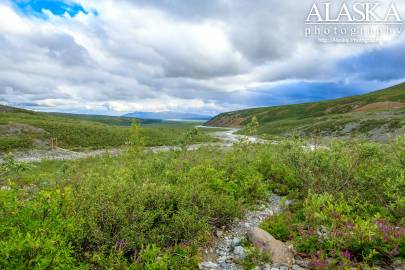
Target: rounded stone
x,y
239,252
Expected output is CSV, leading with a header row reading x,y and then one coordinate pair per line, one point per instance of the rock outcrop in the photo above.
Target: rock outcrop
x,y
279,252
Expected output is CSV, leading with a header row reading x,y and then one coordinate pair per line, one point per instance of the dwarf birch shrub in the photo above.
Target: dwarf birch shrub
x,y
144,210
348,201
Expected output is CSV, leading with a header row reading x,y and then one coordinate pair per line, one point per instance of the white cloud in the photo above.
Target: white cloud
x,y
160,55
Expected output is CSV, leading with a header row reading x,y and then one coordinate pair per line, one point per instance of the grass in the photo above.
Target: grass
x,y
82,132
153,211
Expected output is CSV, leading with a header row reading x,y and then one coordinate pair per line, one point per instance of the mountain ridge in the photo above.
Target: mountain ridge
x,y
375,115
395,95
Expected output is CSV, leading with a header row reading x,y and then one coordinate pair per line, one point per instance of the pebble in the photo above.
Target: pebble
x,y
219,233
267,267
225,266
236,241
221,259
207,265
240,252
301,263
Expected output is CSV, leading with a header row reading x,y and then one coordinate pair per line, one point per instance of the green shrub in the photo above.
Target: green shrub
x,y
8,143
348,231
279,226
34,234
143,210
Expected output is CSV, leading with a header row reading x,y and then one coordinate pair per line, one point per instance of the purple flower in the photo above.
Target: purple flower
x,y
121,244
346,254
395,252
349,225
318,262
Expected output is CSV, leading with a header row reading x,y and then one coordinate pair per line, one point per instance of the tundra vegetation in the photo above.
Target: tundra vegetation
x,y
144,210
24,130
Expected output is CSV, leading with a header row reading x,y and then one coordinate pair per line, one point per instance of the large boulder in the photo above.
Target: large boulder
x,y
266,243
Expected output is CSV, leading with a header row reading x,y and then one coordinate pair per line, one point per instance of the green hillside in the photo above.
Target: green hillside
x,y
382,110
24,129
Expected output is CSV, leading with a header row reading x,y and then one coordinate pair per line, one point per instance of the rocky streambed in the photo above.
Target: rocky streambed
x,y
227,250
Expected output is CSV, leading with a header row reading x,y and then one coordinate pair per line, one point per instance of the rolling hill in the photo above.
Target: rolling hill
x,y
24,129
4,109
374,114
168,115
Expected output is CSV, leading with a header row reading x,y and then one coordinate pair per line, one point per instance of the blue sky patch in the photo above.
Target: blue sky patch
x,y
301,92
57,7
383,64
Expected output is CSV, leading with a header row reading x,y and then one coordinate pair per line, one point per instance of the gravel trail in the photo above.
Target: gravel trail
x,y
228,138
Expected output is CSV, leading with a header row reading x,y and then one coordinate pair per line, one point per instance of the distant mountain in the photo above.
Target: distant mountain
x,y
168,115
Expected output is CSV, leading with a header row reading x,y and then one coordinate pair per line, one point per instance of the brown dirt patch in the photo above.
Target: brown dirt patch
x,y
228,121
386,105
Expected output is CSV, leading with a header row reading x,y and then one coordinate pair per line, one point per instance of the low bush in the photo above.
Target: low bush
x,y
140,210
348,202
143,210
279,226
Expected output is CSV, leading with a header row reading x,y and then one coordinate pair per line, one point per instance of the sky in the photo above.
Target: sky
x,y
119,56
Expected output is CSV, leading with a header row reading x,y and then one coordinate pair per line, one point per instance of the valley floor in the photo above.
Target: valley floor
x,y
227,138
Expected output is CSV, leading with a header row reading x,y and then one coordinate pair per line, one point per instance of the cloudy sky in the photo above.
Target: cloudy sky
x,y
118,56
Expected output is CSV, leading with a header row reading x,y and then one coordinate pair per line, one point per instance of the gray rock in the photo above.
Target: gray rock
x,y
236,241
222,259
225,266
229,259
398,264
239,252
323,232
301,263
207,265
297,267
265,242
267,267
221,252
229,247
219,233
